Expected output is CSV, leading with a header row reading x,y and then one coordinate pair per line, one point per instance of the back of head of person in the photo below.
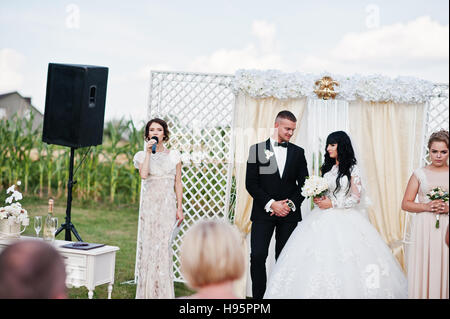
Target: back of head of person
x,y
32,269
212,253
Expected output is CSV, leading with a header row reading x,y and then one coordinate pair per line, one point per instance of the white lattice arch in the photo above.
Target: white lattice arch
x,y
199,111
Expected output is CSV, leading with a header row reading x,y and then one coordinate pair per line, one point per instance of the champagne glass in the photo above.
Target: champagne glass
x,y
37,225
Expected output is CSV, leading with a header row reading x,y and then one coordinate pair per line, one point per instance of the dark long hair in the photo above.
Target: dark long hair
x,y
345,154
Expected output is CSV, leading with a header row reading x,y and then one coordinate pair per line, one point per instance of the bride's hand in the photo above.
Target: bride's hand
x,y
317,200
325,203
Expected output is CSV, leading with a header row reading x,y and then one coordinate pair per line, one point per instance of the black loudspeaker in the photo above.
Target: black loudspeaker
x,y
75,105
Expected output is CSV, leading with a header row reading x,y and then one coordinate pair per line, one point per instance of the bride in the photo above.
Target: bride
x,y
335,252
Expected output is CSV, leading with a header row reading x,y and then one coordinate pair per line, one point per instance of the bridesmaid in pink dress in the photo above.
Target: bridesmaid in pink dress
x,y
427,261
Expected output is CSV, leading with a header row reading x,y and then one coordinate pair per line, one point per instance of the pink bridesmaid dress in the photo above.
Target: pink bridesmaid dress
x,y
428,254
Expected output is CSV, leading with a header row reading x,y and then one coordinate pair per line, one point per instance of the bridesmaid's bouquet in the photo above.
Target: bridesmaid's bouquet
x,y
315,186
438,193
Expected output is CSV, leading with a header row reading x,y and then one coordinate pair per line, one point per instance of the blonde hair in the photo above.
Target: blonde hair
x,y
211,253
439,136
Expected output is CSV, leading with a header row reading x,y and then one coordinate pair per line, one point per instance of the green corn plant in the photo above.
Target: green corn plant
x,y
41,167
135,138
96,178
59,170
30,140
49,167
90,170
14,155
114,132
5,152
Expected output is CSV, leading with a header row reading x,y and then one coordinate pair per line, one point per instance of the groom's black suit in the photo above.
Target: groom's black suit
x,y
264,183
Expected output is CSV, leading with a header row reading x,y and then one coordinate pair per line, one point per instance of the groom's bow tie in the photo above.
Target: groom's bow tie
x,y
284,144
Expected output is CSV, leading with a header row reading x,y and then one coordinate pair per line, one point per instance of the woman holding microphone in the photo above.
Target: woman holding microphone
x,y
160,209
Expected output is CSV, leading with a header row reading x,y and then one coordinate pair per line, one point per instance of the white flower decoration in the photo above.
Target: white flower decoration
x,y
14,213
375,88
16,196
314,186
268,153
10,189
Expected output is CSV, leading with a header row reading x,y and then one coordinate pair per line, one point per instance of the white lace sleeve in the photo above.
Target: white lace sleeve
x,y
138,158
354,195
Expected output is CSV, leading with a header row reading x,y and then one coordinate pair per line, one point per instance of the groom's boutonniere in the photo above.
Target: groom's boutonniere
x,y
269,154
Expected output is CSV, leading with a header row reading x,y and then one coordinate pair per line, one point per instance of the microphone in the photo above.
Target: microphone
x,y
154,145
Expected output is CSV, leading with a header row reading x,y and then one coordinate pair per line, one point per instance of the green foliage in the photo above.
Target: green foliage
x,y
106,172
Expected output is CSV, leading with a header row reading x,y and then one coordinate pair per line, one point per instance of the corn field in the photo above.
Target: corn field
x,y
105,174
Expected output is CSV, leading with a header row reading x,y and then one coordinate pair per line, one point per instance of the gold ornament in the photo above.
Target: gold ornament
x,y
325,88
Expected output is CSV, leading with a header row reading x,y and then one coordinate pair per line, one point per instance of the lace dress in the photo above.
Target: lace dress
x,y
427,261
157,217
337,253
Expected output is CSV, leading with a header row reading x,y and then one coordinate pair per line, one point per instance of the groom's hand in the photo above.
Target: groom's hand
x,y
280,208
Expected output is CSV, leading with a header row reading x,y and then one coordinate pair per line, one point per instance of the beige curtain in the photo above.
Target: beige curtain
x,y
389,139
253,123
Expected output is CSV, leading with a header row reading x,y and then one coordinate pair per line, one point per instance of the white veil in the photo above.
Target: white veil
x,y
365,202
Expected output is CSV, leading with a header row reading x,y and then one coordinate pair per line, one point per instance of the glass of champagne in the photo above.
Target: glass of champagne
x,y
37,225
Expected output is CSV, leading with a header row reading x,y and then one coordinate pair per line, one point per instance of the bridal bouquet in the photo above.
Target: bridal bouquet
x,y
315,186
14,213
438,193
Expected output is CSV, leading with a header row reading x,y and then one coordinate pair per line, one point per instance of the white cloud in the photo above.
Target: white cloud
x,y
265,32
260,55
420,38
11,62
418,48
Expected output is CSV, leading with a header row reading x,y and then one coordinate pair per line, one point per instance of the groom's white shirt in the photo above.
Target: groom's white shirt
x,y
280,157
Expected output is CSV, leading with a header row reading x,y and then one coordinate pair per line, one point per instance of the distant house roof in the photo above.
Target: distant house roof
x,y
6,94
28,99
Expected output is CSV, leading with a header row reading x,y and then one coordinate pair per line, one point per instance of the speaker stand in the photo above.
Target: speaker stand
x,y
68,226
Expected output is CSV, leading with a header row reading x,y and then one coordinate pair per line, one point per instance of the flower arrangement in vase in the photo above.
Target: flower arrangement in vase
x,y
13,216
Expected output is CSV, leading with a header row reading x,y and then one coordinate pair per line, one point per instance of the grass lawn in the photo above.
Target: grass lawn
x,y
114,225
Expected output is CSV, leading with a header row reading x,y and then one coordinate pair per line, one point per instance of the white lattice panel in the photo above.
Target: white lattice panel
x,y
199,111
436,117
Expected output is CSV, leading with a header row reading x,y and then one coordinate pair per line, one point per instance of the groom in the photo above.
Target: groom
x,y
276,172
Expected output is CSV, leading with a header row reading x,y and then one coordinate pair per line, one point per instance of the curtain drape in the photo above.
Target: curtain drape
x,y
389,138
253,122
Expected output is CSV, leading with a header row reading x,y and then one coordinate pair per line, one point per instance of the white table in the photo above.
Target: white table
x,y
88,268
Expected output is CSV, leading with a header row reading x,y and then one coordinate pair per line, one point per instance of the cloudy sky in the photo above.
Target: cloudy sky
x,y
393,38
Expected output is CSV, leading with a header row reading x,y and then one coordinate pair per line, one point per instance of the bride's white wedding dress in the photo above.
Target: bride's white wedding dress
x,y
337,253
